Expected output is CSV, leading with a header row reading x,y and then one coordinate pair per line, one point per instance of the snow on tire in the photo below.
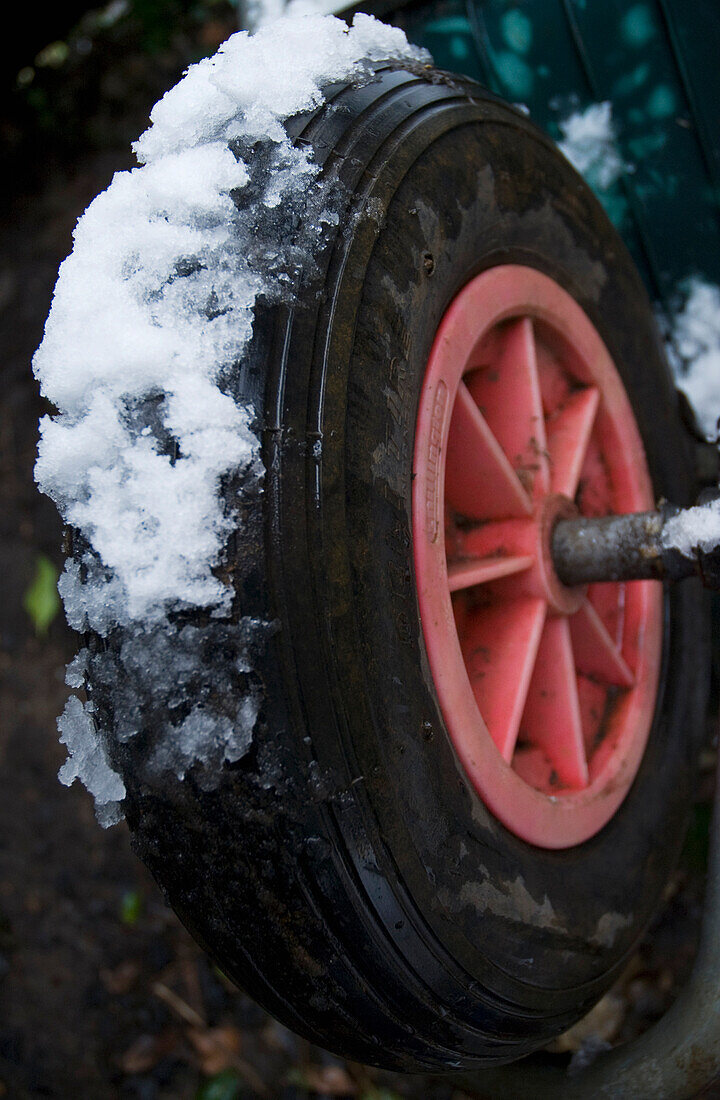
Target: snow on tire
x,y
142,356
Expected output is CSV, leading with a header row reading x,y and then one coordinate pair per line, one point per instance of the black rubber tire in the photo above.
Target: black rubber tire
x,y
333,873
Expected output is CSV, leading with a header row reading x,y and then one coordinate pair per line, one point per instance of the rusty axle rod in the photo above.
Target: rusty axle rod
x,y
639,546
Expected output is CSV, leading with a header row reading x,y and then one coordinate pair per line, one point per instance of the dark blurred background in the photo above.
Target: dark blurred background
x,y
102,993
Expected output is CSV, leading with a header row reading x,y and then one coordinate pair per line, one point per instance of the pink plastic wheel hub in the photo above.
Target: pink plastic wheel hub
x,y
547,692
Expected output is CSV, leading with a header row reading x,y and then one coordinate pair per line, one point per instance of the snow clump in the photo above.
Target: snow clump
x,y
695,528
693,345
151,317
694,350
693,331
154,307
590,144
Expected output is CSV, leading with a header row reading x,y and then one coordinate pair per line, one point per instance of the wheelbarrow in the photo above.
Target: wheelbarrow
x,y
483,693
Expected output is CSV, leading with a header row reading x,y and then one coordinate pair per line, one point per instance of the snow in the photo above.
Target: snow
x,y
151,317
693,528
203,735
88,760
589,143
694,348
693,331
693,343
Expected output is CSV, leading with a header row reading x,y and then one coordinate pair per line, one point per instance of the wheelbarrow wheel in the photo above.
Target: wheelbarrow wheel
x,y
466,791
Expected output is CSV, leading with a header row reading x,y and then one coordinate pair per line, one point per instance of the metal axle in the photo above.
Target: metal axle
x,y
639,546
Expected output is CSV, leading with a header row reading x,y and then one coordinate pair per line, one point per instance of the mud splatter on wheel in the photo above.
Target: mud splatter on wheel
x,y
360,871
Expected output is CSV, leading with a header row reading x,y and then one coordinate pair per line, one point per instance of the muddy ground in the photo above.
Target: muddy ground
x,y
102,992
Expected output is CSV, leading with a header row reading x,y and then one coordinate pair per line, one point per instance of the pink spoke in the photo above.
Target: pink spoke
x,y
507,538
508,393
595,652
593,703
609,602
466,574
568,434
552,721
500,644
480,483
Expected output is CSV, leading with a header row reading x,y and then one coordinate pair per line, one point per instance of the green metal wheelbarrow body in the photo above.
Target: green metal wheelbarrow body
x,y
658,64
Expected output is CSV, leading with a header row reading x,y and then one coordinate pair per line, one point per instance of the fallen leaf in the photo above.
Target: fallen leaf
x,y
327,1080
122,978
41,599
218,1050
182,1008
147,1051
601,1024
131,906
217,1047
224,1086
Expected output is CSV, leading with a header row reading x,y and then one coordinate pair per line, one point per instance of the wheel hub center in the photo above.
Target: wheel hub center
x,y
561,599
